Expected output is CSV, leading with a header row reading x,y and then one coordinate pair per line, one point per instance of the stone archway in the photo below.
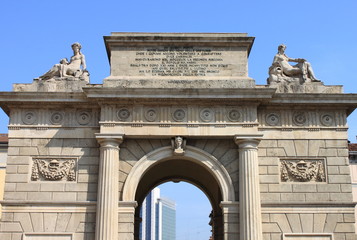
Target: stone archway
x,y
195,166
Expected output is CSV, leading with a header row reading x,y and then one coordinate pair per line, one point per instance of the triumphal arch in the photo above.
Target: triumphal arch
x,y
272,159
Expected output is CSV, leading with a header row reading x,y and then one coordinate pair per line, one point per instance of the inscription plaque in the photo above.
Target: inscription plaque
x,y
175,60
179,62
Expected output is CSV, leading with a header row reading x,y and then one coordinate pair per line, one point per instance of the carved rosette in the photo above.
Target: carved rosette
x,y
303,171
83,117
151,115
123,114
272,119
57,118
234,115
300,118
327,119
206,115
179,115
53,169
29,117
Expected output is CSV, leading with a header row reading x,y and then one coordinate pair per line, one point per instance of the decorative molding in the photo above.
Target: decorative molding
x,y
301,118
54,169
196,115
302,170
43,119
308,236
48,235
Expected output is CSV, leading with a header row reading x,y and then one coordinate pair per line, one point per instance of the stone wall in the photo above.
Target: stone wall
x,y
333,153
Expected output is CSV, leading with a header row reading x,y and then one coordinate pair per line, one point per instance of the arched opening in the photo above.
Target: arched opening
x,y
196,167
178,211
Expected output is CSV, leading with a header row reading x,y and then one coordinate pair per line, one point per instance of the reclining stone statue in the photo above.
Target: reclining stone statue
x,y
75,68
282,72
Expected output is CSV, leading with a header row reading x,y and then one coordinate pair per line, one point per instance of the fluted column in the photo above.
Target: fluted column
x,y
249,189
108,195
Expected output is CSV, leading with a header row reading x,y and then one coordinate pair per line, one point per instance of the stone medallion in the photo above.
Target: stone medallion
x,y
234,115
179,115
57,118
151,115
326,119
300,118
206,115
29,117
123,114
272,119
83,117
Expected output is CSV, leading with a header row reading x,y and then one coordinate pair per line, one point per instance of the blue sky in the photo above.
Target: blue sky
x,y
35,34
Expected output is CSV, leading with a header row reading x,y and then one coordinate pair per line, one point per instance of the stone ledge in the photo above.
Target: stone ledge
x,y
178,83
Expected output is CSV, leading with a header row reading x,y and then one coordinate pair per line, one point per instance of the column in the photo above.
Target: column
x,y
108,187
249,189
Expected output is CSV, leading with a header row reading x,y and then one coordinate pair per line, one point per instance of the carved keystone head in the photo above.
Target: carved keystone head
x,y
178,142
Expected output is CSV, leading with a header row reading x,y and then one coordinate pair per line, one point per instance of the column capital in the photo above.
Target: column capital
x,y
105,138
247,140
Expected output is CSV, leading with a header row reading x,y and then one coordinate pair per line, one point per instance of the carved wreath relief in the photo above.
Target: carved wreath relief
x,y
303,171
53,169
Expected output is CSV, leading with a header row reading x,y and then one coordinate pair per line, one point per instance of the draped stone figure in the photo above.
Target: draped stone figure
x,y
75,68
282,71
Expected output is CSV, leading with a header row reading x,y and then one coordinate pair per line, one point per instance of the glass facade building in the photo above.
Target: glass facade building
x,y
158,217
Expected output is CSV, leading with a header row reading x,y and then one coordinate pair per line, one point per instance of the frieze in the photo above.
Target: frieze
x,y
302,170
310,119
178,114
49,118
54,169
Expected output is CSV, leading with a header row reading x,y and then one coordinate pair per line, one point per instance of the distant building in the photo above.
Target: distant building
x,y
352,149
3,155
158,217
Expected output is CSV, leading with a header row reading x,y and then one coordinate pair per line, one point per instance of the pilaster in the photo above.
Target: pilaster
x,y
249,190
230,211
108,195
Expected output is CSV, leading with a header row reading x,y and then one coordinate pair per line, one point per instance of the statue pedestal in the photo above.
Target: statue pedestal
x,y
69,84
308,87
